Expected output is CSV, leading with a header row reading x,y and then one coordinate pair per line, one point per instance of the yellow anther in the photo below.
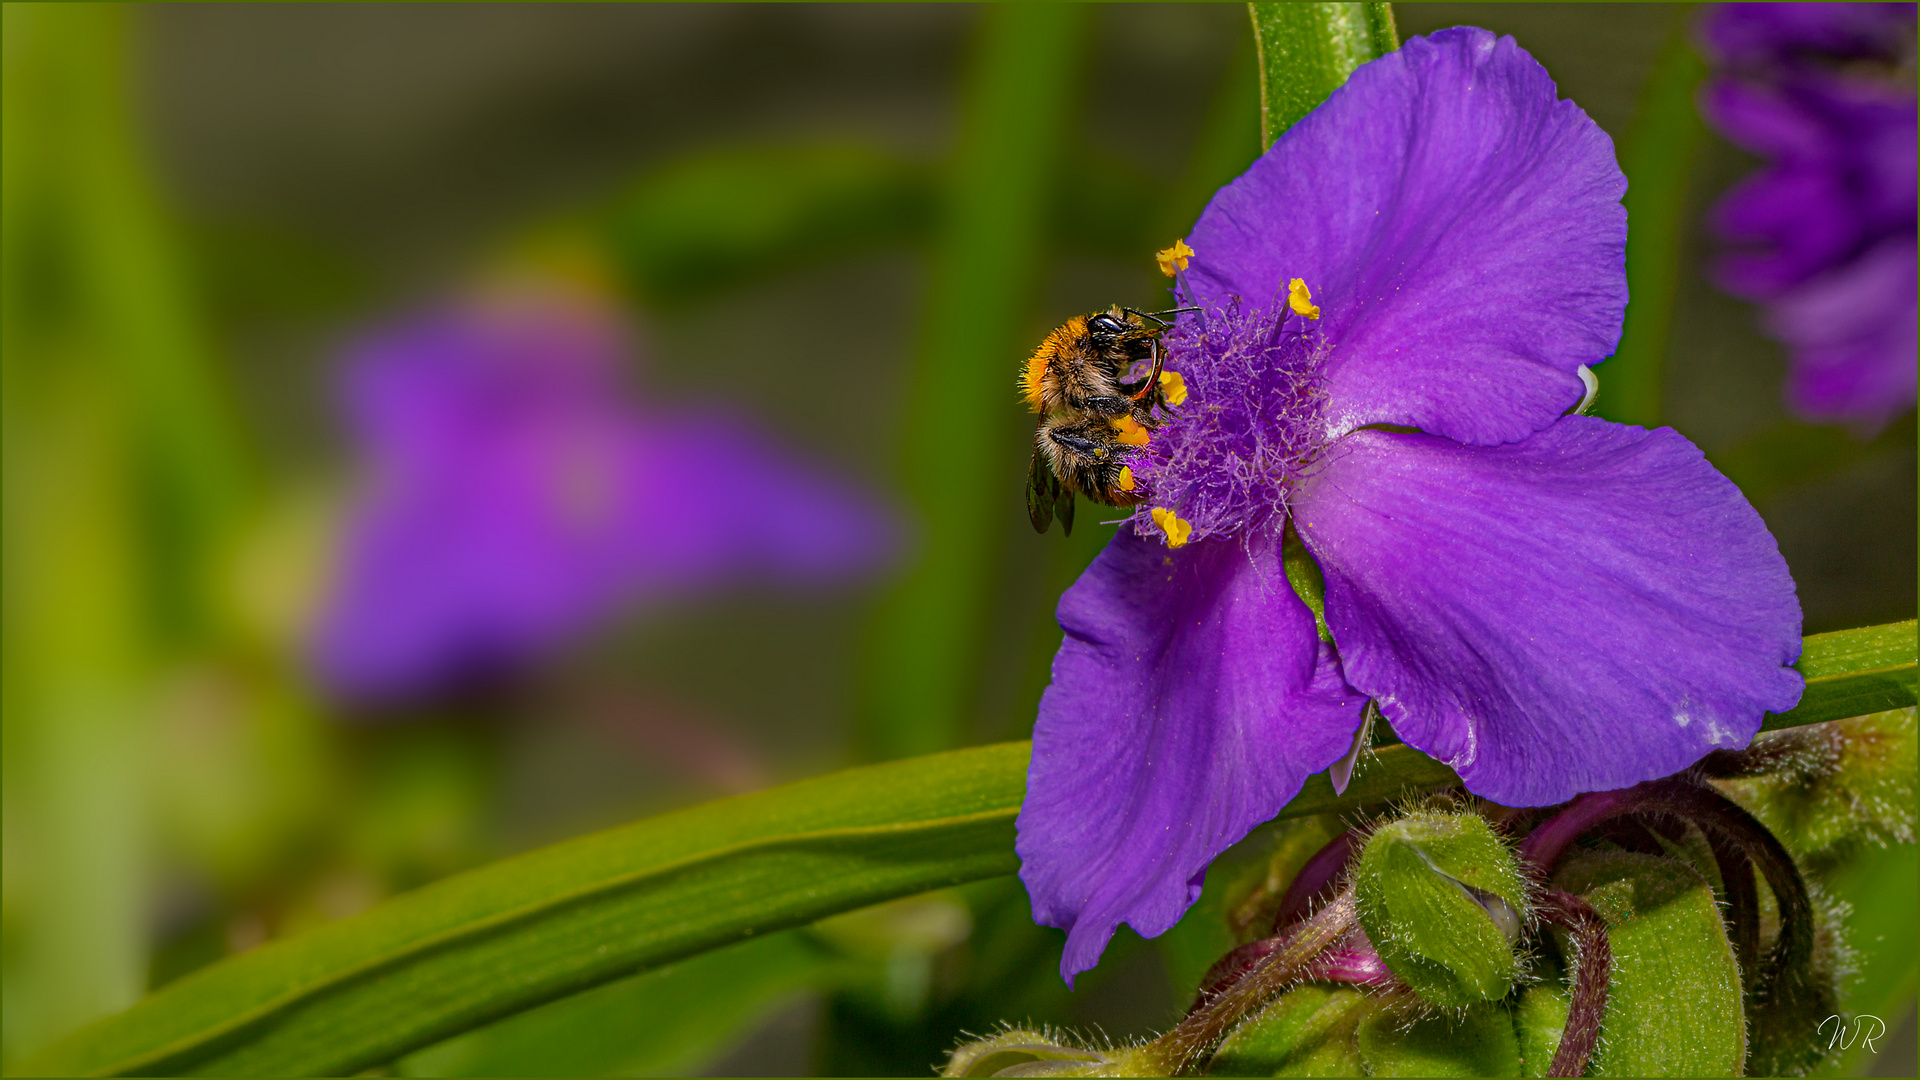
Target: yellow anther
x,y
1173,388
1173,259
1126,478
1177,531
1131,433
1300,300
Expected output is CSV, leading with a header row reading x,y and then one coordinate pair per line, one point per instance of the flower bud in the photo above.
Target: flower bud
x,y
1443,900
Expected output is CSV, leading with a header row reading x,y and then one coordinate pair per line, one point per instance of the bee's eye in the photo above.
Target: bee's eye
x,y
1106,324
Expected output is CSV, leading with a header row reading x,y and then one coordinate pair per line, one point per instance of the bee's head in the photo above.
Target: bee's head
x,y
1108,326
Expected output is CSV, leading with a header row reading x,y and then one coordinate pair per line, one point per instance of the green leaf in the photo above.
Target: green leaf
x,y
1478,1042
1853,673
1307,1031
483,945
1673,1001
1307,50
664,1021
1657,156
1442,899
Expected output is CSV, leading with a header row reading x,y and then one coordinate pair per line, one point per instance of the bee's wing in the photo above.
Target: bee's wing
x,y
1043,492
1063,507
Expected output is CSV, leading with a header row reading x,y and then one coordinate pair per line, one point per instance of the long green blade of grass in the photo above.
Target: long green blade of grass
x,y
487,944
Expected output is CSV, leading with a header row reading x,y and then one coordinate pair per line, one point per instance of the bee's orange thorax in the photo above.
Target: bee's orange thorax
x,y
1033,377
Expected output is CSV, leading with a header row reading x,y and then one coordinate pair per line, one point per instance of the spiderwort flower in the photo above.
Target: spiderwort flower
x,y
517,497
1823,235
1396,301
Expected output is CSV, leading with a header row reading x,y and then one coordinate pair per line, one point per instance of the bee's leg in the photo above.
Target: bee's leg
x,y
1106,405
1079,445
1152,382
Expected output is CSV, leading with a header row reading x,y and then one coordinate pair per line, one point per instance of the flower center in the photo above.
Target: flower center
x,y
1229,458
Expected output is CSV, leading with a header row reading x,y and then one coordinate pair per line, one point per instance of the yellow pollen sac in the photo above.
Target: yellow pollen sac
x,y
1126,478
1177,531
1173,259
1173,388
1131,433
1300,300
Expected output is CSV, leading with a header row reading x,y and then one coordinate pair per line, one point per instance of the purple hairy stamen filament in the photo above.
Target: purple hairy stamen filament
x,y
1227,459
1593,967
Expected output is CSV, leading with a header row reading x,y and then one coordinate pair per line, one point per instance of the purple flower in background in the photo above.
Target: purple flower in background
x,y
518,496
1824,234
1397,300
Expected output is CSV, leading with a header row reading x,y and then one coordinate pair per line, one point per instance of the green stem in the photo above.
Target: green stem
x,y
1308,49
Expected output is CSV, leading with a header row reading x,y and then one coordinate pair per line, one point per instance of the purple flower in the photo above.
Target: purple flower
x,y
1824,234
1550,603
517,497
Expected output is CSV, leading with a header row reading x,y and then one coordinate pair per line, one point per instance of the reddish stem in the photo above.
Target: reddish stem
x,y
1593,967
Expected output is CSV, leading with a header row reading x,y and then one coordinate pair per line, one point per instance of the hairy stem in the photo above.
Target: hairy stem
x,y
1287,962
1593,967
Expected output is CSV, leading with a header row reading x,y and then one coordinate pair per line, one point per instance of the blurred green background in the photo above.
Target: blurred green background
x,y
850,222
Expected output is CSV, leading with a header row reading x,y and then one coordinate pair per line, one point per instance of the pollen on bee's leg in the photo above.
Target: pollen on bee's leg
x,y
1177,531
1300,300
1173,259
1173,388
1126,478
1131,431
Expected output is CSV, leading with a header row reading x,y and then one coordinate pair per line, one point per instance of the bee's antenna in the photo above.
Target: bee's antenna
x,y
1156,315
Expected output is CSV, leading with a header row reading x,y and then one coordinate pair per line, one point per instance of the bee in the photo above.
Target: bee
x,y
1091,413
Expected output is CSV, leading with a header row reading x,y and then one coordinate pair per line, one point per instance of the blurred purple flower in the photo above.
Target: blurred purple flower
x,y
517,496
1823,235
1550,603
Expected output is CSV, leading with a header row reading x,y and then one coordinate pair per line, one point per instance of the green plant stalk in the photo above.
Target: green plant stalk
x,y
76,594
1853,673
471,949
1308,49
957,464
1658,159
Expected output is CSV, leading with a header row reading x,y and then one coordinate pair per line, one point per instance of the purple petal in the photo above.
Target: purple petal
x,y
517,499
1581,611
1190,700
1749,34
1852,338
1460,228
1801,219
